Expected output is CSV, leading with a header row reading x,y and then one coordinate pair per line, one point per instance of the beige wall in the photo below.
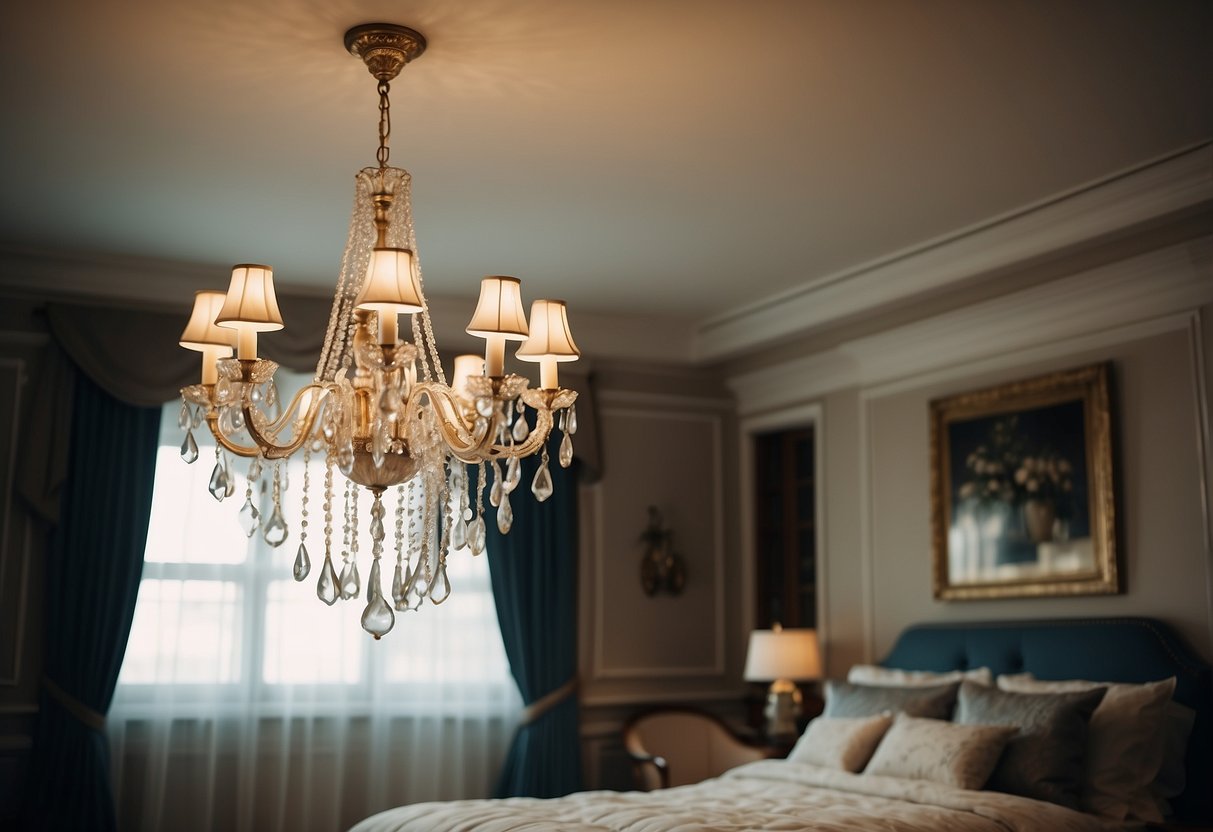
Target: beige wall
x,y
1165,565
875,441
668,439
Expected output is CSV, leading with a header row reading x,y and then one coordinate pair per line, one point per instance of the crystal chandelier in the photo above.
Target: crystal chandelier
x,y
379,409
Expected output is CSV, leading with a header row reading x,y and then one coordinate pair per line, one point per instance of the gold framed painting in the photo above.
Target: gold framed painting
x,y
1022,492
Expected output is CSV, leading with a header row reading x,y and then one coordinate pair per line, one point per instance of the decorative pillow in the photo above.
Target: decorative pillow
x,y
1045,760
871,674
843,742
944,752
1125,742
845,699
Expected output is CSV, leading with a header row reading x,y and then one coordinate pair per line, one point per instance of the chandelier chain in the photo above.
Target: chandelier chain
x,y
385,124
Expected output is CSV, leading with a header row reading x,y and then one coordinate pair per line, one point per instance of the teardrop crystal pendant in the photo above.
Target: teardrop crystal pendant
x,y
254,468
479,428
249,517
380,443
378,618
570,423
218,484
345,458
398,585
372,584
497,489
303,563
351,583
410,594
326,585
377,520
521,429
505,515
189,448
476,535
459,533
442,586
541,486
183,417
566,451
513,473
275,531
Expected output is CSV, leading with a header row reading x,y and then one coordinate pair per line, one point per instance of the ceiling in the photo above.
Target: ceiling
x,y
682,158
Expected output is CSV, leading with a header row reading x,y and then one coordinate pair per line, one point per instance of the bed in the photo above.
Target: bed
x,y
789,795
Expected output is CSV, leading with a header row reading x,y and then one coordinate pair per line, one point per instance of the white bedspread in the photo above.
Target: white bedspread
x,y
766,795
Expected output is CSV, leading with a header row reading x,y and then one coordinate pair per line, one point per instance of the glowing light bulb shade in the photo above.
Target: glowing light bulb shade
x,y
201,333
466,366
499,311
250,303
391,283
550,335
782,654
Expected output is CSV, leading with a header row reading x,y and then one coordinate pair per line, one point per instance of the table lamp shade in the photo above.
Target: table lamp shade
x,y
783,654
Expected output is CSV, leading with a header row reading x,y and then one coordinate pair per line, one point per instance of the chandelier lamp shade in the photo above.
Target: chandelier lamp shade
x,y
379,409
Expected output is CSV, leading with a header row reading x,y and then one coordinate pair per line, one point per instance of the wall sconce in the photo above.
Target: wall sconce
x,y
661,569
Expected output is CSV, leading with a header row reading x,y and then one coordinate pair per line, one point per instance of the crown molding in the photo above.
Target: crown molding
x,y
1164,282
1113,205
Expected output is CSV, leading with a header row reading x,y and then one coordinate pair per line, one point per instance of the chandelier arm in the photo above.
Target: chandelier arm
x,y
323,388
446,408
212,422
461,441
271,450
535,439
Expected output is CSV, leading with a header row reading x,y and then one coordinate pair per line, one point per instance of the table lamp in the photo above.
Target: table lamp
x,y
781,656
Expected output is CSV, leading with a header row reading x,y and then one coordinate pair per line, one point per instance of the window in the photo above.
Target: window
x,y
244,702
218,608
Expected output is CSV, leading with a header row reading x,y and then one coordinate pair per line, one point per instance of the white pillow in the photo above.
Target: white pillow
x,y
888,677
844,743
1125,743
962,756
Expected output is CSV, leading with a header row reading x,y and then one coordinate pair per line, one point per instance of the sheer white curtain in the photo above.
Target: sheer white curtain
x,y
245,703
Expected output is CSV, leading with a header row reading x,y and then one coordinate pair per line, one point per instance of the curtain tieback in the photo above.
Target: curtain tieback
x,y
83,713
548,701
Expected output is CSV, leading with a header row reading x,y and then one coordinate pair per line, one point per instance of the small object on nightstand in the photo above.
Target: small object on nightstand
x,y
782,657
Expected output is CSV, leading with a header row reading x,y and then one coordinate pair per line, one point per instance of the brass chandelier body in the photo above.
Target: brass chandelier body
x,y
379,408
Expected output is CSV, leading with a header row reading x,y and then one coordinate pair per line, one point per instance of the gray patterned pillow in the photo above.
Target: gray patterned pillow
x,y
845,699
1045,760
930,749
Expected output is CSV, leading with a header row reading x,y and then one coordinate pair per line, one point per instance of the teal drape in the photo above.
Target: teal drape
x,y
92,580
534,576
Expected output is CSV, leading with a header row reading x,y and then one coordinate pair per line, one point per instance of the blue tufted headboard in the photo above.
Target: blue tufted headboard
x,y
1101,649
